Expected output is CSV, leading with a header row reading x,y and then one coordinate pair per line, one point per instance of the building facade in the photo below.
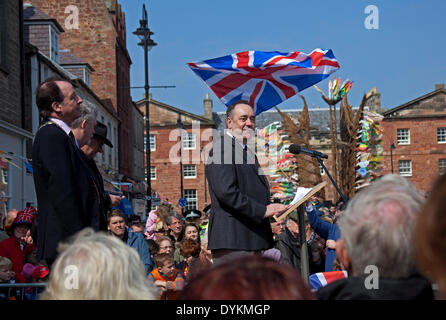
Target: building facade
x,y
415,138
165,145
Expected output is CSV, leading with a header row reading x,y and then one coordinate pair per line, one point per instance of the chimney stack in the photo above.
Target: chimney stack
x,y
439,86
207,102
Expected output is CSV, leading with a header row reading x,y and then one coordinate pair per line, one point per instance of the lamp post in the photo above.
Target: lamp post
x,y
392,146
144,33
180,127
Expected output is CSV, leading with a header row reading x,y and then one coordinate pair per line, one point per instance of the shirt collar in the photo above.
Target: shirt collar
x,y
230,134
65,127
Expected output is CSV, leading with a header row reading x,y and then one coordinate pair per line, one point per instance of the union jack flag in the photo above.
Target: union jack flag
x,y
26,216
265,79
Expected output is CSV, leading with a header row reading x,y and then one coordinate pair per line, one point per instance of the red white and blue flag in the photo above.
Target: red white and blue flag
x,y
321,279
265,79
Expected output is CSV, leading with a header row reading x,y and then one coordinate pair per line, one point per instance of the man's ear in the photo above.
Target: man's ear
x,y
229,122
56,107
342,255
83,124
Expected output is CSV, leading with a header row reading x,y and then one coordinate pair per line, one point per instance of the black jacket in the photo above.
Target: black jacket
x,y
239,198
412,288
67,199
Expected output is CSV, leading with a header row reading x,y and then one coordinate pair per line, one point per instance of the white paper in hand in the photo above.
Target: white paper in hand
x,y
300,193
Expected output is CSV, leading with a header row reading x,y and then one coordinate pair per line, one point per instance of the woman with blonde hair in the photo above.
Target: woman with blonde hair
x,y
97,266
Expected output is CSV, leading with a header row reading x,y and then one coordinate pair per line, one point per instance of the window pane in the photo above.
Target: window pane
x,y
190,171
191,196
405,167
441,166
189,141
152,142
441,135
152,173
403,136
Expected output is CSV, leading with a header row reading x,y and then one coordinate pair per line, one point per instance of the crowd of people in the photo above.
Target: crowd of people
x,y
385,243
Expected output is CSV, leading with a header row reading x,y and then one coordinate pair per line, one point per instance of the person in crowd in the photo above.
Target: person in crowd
x,y
240,193
160,230
175,225
153,248
204,221
6,272
135,223
190,249
328,231
116,227
90,150
166,277
8,220
165,244
248,277
277,227
105,268
375,247
317,257
192,232
288,242
66,195
193,216
429,237
19,243
157,220
7,275
83,127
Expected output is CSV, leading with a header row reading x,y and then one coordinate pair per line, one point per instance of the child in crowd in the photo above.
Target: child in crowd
x,y
6,276
166,277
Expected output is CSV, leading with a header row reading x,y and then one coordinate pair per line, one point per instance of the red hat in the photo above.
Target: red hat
x,y
40,272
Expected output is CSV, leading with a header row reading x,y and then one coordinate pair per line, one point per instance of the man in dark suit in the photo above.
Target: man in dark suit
x,y
66,196
239,191
93,147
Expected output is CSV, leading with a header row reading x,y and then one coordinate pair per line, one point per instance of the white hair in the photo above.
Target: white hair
x,y
106,269
88,112
377,227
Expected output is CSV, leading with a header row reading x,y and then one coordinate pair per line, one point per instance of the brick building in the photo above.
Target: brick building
x,y
417,130
92,27
165,147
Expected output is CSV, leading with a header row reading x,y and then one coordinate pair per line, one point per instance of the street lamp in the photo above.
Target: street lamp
x,y
180,127
144,33
392,146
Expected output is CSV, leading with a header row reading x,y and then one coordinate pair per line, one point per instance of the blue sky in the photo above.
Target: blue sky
x,y
404,58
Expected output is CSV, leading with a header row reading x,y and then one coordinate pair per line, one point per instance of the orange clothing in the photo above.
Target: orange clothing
x,y
175,284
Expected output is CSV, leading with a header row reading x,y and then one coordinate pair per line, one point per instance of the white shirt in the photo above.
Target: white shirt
x,y
230,134
65,127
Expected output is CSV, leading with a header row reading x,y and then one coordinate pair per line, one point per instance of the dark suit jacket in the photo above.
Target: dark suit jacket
x,y
67,199
239,198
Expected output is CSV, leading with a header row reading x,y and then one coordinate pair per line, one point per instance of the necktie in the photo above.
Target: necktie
x,y
73,139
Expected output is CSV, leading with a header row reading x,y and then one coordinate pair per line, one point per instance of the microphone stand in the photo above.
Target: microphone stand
x,y
321,162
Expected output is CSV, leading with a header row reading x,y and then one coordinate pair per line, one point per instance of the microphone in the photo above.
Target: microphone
x,y
295,149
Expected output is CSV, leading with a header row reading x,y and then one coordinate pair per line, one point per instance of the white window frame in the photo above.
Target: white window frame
x,y
192,173
443,135
189,141
191,199
152,173
401,140
441,166
154,142
409,172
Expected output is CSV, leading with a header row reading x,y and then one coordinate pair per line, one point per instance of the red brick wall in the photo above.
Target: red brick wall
x,y
168,180
423,150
